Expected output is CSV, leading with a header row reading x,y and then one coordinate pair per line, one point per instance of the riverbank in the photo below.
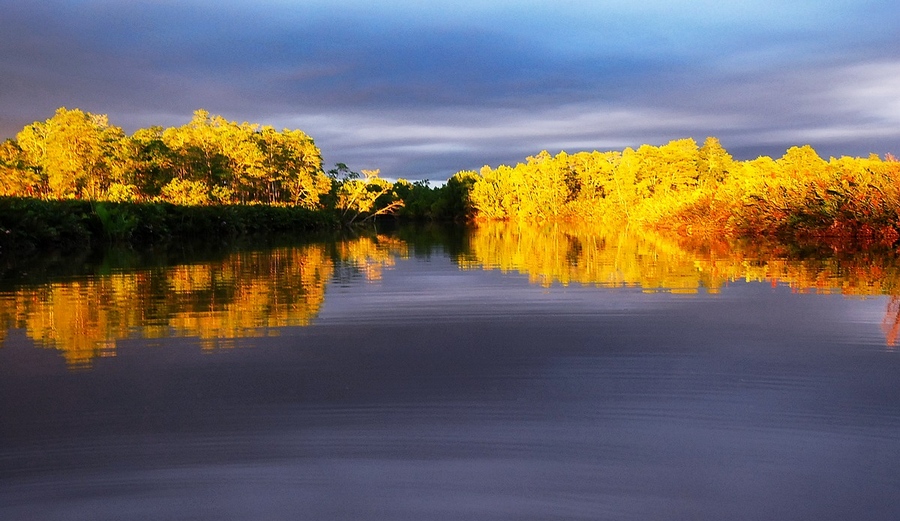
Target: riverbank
x,y
28,225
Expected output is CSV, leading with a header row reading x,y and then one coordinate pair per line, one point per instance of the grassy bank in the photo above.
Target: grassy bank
x,y
28,225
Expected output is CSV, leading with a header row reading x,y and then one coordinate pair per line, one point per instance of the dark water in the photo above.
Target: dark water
x,y
395,377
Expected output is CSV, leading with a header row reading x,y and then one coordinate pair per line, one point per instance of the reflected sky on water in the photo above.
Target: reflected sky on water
x,y
395,377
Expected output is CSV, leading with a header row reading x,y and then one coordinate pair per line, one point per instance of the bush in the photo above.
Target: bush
x,y
31,224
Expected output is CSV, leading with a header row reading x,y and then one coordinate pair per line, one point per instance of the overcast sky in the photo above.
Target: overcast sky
x,y
422,90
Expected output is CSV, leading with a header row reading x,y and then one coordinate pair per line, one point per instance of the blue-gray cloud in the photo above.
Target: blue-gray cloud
x,y
423,91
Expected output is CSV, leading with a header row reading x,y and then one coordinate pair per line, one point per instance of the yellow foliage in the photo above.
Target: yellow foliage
x,y
119,193
681,187
368,196
185,192
76,154
72,151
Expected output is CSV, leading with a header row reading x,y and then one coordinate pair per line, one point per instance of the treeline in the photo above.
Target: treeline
x,y
80,155
693,189
75,180
208,161
703,190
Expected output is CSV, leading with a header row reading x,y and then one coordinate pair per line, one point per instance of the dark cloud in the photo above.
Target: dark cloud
x,y
425,91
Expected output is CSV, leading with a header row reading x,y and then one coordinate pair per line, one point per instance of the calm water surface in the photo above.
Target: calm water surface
x,y
500,373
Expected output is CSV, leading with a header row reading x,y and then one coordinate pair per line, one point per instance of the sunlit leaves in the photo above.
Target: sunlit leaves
x,y
186,192
369,196
702,190
713,162
209,160
72,152
243,162
291,168
16,177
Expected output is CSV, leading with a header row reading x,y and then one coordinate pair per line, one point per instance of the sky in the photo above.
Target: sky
x,y
421,90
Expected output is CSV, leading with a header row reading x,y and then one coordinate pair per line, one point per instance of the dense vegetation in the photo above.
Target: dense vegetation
x,y
27,224
702,190
75,179
139,185
79,155
75,154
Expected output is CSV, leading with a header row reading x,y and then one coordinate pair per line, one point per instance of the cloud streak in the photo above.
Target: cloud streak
x,y
424,91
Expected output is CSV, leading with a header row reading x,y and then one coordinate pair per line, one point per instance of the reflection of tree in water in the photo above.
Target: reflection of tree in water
x,y
254,293
565,254
247,294
568,254
367,257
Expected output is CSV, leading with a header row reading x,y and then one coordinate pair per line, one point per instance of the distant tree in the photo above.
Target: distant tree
x,y
419,199
679,164
243,162
495,194
545,186
149,160
341,172
801,162
186,192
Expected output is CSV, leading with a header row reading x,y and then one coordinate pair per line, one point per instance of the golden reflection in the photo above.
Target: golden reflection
x,y
251,294
371,255
561,253
564,253
247,294
891,323
570,253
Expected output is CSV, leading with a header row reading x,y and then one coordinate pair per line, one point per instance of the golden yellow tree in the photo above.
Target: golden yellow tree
x,y
16,177
71,151
292,167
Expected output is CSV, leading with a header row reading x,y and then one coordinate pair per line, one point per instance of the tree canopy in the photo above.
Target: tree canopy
x,y
702,189
679,185
77,154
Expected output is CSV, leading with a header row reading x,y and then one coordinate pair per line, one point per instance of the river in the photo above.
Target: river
x,y
501,372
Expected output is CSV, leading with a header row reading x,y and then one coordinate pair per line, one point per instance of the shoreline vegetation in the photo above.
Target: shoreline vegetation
x,y
701,192
76,180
